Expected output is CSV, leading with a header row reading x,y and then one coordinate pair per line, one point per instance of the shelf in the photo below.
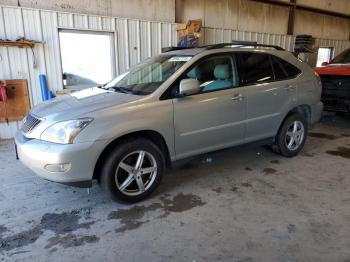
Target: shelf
x,y
21,43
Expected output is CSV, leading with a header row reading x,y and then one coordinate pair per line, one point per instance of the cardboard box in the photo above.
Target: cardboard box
x,y
188,35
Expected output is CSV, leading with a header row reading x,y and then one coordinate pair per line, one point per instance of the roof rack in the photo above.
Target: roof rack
x,y
222,45
241,44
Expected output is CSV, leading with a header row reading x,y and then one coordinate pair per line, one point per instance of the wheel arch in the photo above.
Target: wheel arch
x,y
151,135
304,110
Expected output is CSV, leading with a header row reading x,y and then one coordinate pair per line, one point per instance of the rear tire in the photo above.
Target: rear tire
x,y
291,137
133,170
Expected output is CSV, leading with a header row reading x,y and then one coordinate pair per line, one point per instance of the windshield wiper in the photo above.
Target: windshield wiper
x,y
121,89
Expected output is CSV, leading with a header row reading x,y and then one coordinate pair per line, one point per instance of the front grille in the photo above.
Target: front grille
x,y
29,123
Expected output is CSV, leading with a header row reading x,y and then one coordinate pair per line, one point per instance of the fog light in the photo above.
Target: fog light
x,y
58,167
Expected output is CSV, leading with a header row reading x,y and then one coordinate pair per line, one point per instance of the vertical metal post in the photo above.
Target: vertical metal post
x,y
291,17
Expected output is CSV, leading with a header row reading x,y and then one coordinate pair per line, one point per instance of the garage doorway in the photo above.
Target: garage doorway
x,y
325,54
87,58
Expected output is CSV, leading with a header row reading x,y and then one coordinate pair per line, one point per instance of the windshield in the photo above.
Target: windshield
x,y
343,58
147,76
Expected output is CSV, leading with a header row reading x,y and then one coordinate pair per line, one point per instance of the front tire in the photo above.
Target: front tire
x,y
292,135
133,170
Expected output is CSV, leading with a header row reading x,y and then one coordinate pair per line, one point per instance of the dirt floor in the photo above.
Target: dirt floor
x,y
242,204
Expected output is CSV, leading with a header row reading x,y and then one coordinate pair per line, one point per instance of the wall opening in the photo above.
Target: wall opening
x,y
87,58
325,54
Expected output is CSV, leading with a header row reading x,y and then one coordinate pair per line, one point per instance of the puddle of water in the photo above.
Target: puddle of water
x,y
322,136
58,223
71,240
341,151
134,217
63,223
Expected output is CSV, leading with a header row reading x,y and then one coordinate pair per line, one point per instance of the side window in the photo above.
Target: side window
x,y
291,70
278,70
255,68
215,73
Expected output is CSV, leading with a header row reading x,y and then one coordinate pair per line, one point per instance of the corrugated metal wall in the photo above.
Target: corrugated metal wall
x,y
134,41
216,35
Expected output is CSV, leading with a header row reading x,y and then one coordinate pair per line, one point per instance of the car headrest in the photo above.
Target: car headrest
x,y
222,72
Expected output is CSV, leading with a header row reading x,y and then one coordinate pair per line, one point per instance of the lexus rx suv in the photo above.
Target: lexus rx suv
x,y
172,106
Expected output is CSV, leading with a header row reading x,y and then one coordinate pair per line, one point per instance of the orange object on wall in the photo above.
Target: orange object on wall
x,y
17,100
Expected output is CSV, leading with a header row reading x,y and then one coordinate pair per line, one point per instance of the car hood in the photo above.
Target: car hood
x,y
336,69
82,102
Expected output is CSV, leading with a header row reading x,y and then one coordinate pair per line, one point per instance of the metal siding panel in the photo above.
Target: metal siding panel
x,y
65,20
155,41
5,71
123,63
107,23
52,50
144,40
8,130
94,23
36,57
80,21
132,41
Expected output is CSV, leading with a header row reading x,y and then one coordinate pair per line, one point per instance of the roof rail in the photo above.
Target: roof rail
x,y
174,48
243,43
222,45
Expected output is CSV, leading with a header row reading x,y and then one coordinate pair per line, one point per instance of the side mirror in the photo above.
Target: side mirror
x,y
189,87
324,64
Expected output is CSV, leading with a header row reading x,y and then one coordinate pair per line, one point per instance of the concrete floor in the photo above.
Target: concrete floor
x,y
248,204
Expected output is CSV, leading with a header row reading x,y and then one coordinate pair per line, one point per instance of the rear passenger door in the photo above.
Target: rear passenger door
x,y
269,93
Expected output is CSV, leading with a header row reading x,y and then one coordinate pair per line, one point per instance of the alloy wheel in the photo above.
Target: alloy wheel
x,y
136,173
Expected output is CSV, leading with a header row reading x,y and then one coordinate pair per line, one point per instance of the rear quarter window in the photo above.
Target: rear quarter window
x,y
291,70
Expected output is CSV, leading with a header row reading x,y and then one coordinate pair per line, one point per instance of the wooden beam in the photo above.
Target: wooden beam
x,y
20,43
291,17
305,8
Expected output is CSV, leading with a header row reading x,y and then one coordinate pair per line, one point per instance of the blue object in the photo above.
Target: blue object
x,y
43,86
49,95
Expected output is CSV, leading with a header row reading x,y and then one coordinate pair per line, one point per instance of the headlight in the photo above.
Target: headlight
x,y
65,132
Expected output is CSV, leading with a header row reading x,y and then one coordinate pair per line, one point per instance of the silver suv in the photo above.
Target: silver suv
x,y
172,106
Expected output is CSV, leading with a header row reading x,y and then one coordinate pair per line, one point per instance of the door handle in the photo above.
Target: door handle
x,y
238,97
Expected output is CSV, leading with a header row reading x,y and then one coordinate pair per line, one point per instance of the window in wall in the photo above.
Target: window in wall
x,y
325,54
87,58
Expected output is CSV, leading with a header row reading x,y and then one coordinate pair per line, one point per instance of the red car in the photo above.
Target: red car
x,y
335,77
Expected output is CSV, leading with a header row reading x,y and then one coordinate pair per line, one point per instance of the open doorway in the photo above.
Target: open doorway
x,y
87,58
325,54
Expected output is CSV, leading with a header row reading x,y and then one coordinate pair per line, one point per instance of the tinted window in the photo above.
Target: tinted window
x,y
291,70
214,73
255,68
278,70
343,58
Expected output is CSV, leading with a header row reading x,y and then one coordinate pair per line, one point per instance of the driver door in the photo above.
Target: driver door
x,y
215,117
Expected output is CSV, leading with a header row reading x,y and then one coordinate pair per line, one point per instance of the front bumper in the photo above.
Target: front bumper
x,y
82,157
